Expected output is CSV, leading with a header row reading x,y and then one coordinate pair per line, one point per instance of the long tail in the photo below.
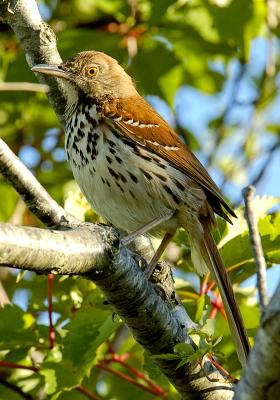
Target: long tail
x,y
209,255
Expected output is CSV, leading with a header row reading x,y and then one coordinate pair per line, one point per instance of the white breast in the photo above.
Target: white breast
x,y
125,187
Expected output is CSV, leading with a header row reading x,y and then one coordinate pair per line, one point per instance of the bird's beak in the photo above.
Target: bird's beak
x,y
52,70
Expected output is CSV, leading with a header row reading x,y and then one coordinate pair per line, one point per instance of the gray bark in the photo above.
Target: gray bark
x,y
261,379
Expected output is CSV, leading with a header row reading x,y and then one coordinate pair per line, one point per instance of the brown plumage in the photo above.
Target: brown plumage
x,y
136,172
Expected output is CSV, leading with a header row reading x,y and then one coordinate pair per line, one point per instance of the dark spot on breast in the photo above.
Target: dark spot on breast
x,y
161,177
162,166
108,183
92,121
111,143
169,191
80,133
133,177
113,173
116,134
112,151
123,178
103,180
109,159
119,186
147,158
82,124
118,159
146,174
75,147
179,185
132,194
95,136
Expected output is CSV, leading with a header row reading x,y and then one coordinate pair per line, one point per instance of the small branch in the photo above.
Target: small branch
x,y
50,291
8,364
34,195
255,238
128,378
23,86
4,298
87,393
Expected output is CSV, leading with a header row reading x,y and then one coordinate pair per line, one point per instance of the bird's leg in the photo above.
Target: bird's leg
x,y
164,243
146,228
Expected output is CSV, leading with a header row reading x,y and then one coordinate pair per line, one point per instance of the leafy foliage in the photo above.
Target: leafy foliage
x,y
210,68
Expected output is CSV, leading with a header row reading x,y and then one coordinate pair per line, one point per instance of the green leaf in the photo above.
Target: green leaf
x,y
209,327
9,198
16,328
170,82
184,349
158,9
87,331
200,307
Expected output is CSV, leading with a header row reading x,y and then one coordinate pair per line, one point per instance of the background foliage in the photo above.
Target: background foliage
x,y
212,69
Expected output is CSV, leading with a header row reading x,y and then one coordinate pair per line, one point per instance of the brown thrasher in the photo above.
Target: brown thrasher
x,y
135,171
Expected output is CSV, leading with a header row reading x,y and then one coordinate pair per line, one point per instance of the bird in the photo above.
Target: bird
x,y
137,173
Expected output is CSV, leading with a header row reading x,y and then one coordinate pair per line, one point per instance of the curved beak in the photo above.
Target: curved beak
x,y
52,70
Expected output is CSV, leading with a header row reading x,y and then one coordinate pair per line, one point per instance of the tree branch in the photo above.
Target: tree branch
x,y
23,86
262,374
255,238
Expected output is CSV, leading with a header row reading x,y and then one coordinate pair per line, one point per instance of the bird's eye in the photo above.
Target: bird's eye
x,y
92,71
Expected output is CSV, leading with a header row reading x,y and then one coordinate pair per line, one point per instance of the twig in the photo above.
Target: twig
x,y
4,298
128,378
50,290
248,194
87,393
23,86
8,364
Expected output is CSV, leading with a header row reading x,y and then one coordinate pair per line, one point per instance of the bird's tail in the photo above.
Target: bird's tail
x,y
205,254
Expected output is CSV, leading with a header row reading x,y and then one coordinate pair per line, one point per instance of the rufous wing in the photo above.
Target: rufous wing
x,y
137,121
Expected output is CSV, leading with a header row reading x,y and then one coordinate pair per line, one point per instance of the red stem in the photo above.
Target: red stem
x,y
87,393
135,372
50,309
213,313
8,364
129,379
218,366
203,286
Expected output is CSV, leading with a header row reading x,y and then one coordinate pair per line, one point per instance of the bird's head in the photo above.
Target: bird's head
x,y
92,72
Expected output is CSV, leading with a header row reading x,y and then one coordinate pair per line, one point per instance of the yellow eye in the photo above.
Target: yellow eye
x,y
92,71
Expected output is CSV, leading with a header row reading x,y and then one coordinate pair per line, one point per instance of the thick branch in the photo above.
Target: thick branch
x,y
92,251
262,374
66,252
